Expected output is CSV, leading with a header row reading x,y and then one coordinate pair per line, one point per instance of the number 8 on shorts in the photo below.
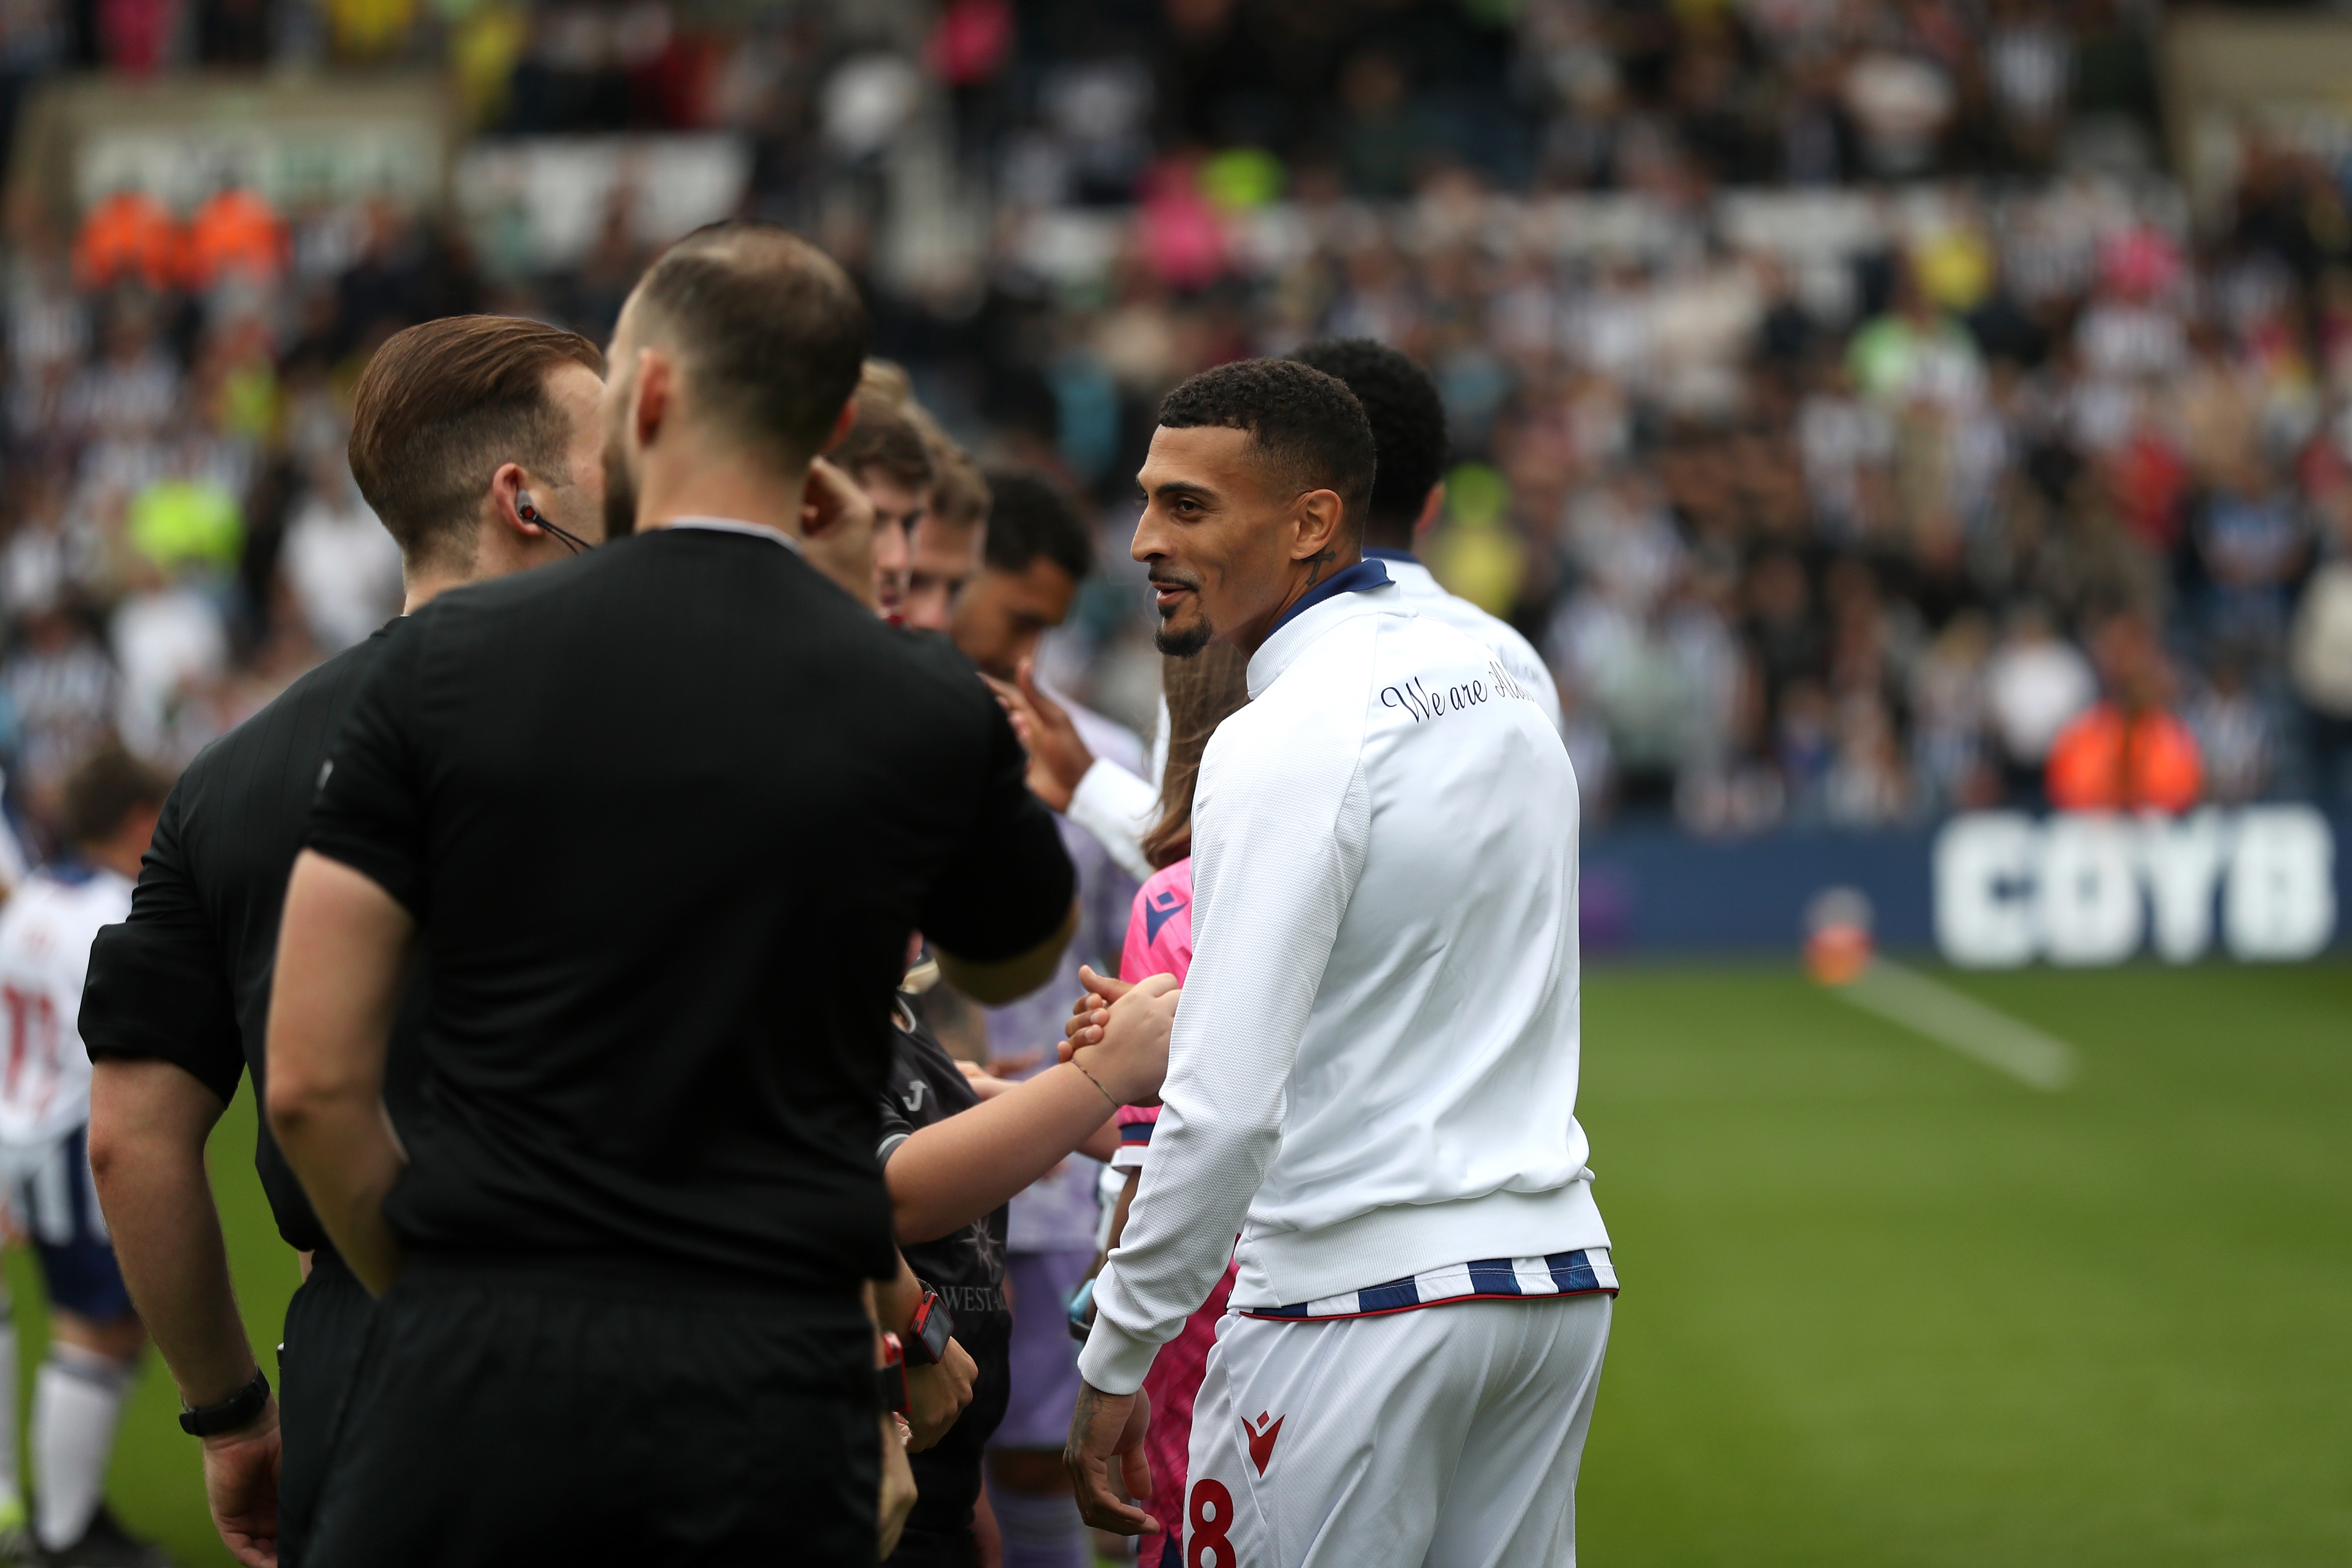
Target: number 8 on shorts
x,y
1207,1518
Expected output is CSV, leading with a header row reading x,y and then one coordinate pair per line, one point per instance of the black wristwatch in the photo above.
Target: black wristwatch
x,y
890,1377
928,1331
238,1410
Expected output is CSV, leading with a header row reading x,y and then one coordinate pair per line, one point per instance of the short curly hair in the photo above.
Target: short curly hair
x,y
1408,420
1299,417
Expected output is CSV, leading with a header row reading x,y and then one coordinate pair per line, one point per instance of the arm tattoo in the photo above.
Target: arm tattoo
x,y
1315,564
1082,1420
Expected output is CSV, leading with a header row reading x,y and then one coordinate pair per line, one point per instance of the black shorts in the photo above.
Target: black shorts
x,y
326,1333
504,1417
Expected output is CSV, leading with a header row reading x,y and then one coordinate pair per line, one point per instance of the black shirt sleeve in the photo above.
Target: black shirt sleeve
x,y
1008,885
157,989
897,1125
370,811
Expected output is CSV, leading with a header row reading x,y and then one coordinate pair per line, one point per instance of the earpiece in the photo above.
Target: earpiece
x,y
527,511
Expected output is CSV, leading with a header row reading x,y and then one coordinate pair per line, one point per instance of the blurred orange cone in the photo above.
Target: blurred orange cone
x,y
1837,935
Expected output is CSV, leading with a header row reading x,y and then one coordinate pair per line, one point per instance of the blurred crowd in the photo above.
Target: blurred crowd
x,y
2026,501
1989,478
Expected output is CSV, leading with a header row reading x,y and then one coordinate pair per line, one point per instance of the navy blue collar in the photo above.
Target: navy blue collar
x,y
1354,579
1383,553
70,870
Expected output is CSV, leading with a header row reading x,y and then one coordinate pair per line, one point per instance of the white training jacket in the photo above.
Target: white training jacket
x,y
1374,1066
1518,656
1119,807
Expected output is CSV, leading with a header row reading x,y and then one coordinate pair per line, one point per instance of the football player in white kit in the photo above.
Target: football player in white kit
x,y
1408,419
1373,1074
112,800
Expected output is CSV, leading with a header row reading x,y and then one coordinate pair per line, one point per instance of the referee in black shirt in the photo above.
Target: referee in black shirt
x,y
660,820
470,436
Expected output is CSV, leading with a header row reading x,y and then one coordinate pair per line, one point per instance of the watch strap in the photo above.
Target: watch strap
x,y
238,1410
890,1377
928,1331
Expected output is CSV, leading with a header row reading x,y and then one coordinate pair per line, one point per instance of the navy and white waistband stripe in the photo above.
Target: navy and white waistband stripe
x,y
1581,1273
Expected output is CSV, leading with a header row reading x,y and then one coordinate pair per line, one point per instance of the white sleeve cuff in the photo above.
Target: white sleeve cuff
x,y
1112,1358
1126,1157
1116,808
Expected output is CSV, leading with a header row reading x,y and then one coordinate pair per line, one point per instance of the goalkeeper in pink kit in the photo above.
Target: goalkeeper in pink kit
x,y
1201,692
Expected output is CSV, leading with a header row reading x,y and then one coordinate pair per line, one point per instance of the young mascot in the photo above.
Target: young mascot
x,y
112,800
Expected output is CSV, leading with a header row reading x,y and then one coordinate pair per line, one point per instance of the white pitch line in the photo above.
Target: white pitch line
x,y
1982,1034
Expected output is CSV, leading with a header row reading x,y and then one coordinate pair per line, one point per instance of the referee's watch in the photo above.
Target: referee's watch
x,y
927,1333
238,1410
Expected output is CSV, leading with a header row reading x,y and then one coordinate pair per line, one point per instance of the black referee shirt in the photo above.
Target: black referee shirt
x,y
185,979
666,813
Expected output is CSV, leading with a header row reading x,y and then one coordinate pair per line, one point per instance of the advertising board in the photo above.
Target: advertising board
x,y
1990,890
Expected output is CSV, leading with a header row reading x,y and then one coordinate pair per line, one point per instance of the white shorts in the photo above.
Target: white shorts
x,y
1445,1437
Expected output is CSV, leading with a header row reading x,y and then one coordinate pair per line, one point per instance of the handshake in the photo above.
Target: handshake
x,y
1118,1035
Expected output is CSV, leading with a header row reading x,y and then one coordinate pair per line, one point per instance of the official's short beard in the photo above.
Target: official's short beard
x,y
1185,642
620,492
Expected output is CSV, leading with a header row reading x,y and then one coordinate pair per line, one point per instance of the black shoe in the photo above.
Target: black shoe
x,y
106,1544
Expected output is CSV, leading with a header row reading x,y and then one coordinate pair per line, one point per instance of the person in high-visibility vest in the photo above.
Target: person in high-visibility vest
x,y
2127,751
127,236
234,233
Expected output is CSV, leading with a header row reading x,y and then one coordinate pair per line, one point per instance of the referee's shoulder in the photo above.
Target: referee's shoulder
x,y
937,670
308,700
513,589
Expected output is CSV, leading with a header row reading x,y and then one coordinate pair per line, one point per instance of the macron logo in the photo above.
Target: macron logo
x,y
1262,1433
1159,911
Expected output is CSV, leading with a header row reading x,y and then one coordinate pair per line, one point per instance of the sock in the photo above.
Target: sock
x,y
12,1498
77,1402
1041,1529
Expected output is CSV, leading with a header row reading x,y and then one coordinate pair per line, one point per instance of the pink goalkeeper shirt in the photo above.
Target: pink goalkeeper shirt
x,y
1159,942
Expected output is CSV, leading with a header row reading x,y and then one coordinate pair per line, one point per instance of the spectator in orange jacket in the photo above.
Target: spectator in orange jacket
x,y
2127,751
234,232
127,236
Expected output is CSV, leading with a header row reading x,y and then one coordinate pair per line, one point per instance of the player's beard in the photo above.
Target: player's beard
x,y
1183,642
620,490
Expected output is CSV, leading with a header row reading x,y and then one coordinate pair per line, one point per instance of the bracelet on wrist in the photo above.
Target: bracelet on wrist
x,y
1116,1103
238,1410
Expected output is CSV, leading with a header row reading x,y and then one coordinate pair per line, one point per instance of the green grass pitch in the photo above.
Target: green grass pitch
x,y
1882,1306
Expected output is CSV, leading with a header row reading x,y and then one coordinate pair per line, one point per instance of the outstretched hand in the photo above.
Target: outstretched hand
x,y
1130,1058
1058,757
1090,1012
1103,1428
